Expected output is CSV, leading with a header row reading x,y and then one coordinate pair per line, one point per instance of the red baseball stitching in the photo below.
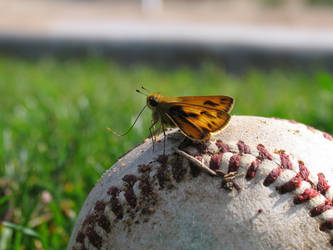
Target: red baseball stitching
x,y
315,191
137,196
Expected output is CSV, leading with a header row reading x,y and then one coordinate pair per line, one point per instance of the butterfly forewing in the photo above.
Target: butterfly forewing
x,y
223,103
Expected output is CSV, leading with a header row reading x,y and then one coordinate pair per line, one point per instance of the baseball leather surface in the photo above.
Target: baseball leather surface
x,y
269,188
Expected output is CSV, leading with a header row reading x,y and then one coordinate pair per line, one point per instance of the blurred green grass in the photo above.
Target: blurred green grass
x,y
53,138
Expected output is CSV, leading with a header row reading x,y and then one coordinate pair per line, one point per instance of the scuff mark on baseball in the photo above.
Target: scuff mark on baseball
x,y
267,186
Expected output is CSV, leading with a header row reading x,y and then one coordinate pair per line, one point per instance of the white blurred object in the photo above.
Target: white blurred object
x,y
270,37
151,5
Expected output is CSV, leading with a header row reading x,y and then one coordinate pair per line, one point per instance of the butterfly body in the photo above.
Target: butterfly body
x,y
196,116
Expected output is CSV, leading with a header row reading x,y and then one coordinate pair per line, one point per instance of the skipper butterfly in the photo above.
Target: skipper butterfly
x,y
197,117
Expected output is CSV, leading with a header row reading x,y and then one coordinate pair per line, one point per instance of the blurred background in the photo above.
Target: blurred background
x,y
69,69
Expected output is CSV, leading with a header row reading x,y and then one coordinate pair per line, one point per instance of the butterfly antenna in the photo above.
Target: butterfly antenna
x,y
117,134
144,88
141,92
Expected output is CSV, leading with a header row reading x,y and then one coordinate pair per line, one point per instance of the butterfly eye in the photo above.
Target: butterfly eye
x,y
153,102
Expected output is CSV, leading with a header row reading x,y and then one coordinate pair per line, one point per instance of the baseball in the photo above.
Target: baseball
x,y
262,183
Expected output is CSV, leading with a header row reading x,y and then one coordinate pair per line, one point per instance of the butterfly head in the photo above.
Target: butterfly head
x,y
152,101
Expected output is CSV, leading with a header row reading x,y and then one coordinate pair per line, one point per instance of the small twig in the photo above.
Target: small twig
x,y
196,162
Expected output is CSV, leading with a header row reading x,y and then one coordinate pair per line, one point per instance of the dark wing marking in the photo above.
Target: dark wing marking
x,y
197,122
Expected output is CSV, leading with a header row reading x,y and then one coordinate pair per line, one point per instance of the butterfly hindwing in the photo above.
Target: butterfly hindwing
x,y
197,122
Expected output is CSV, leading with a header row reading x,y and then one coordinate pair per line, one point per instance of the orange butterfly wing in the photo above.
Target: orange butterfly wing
x,y
196,121
220,102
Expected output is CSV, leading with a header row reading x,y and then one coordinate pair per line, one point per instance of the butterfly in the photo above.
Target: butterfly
x,y
197,117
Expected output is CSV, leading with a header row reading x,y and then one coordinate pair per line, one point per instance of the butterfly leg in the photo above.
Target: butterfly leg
x,y
152,136
164,139
152,131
